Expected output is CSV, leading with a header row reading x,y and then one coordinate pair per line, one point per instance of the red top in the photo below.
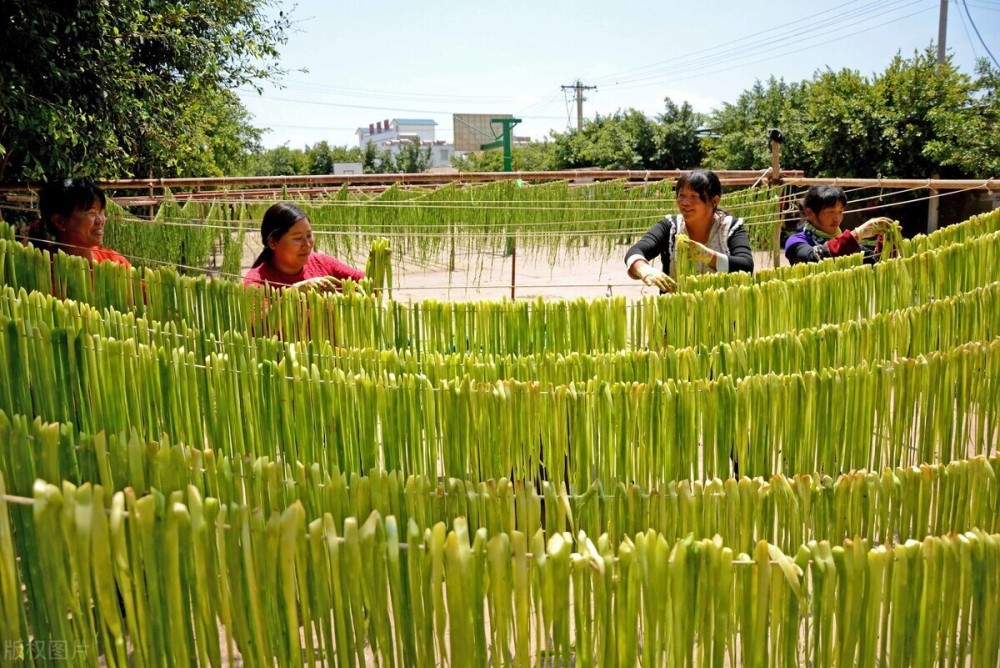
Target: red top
x,y
102,254
316,266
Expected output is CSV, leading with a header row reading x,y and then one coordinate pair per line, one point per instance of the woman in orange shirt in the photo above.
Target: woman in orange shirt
x,y
72,221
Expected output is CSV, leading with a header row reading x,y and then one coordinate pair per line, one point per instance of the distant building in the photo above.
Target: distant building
x,y
347,168
399,132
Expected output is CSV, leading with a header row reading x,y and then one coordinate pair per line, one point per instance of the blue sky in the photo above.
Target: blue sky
x,y
368,61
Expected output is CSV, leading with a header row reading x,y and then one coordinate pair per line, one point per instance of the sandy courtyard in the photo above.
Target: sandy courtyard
x,y
574,272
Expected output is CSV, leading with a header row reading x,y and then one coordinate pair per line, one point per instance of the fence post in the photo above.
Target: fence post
x,y
513,266
932,207
775,139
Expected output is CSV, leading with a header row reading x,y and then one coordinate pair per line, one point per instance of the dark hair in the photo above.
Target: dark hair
x,y
823,197
62,197
703,182
65,196
278,219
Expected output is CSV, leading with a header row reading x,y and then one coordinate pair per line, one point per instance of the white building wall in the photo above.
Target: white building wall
x,y
393,130
392,135
344,168
425,132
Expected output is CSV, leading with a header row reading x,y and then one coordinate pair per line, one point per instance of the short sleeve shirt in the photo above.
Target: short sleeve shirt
x,y
316,266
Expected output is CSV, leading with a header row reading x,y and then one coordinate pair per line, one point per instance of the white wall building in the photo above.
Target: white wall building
x,y
395,134
347,168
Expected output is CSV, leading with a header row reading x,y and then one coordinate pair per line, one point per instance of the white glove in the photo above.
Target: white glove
x,y
653,277
700,253
872,228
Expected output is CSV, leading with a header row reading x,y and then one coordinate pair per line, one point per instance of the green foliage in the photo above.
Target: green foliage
x,y
220,139
842,126
677,143
281,161
923,107
977,127
619,141
413,159
321,157
533,157
631,140
127,87
316,159
376,161
914,119
740,129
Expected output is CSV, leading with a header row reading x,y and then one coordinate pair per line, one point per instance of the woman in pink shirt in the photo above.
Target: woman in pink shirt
x,y
288,258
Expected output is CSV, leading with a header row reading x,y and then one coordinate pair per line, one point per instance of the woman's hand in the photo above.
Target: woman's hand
x,y
873,227
321,283
654,277
701,253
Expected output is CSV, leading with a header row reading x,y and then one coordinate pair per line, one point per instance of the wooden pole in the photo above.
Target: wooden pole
x,y
513,267
776,180
935,184
932,209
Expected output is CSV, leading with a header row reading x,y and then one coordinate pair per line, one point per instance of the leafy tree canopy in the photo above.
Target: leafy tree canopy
x,y
112,88
533,157
915,119
624,140
316,159
630,140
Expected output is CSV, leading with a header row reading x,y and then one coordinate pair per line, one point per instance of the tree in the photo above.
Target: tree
x,y
631,140
915,119
739,130
320,158
924,109
281,161
531,157
842,128
912,120
221,139
345,154
677,144
624,140
980,133
412,158
376,161
110,88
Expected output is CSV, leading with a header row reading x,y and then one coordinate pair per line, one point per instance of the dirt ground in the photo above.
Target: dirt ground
x,y
575,272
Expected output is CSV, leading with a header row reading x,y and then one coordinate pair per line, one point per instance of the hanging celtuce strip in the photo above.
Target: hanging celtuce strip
x,y
756,608
206,474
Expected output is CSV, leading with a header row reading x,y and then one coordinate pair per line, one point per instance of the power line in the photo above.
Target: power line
x,y
724,65
981,40
410,97
987,5
694,65
614,77
381,108
578,89
968,36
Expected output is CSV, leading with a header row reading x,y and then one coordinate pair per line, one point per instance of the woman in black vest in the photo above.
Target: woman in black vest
x,y
719,242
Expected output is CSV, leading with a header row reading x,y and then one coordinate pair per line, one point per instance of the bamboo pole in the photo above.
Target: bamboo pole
x,y
991,184
747,176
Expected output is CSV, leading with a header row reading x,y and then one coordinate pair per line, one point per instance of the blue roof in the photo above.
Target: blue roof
x,y
415,121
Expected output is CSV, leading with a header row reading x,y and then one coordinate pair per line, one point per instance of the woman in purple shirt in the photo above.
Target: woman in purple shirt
x,y
820,236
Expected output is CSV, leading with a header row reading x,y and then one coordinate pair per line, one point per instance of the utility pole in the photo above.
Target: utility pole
x,y
932,203
578,89
942,31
